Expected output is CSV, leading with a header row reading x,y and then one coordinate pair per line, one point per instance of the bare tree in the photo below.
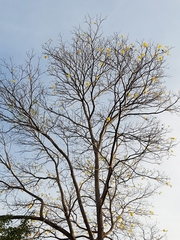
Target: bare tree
x,y
81,153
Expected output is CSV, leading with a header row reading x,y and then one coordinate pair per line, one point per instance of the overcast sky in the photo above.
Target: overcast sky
x,y
27,24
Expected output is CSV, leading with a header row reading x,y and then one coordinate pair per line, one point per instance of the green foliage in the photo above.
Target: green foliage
x,y
10,232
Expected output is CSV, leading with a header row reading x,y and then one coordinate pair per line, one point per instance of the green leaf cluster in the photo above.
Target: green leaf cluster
x,y
10,231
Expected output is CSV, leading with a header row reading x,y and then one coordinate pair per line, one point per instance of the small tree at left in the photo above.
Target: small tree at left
x,y
14,231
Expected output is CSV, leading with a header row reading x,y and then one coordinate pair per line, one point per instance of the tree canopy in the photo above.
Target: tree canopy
x,y
82,151
10,232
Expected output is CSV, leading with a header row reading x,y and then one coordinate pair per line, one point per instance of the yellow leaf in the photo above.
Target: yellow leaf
x,y
160,58
135,95
143,55
154,79
121,226
131,214
100,49
145,44
108,50
123,51
30,205
119,218
108,119
128,175
145,91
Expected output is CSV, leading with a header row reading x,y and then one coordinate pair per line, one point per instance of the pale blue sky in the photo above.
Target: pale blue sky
x,y
26,24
